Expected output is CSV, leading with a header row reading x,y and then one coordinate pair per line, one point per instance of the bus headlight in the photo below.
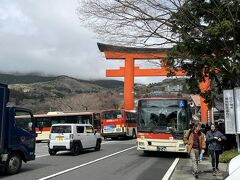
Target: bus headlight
x,y
141,143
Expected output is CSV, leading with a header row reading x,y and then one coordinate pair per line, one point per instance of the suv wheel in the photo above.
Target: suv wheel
x,y
75,149
14,163
52,152
98,146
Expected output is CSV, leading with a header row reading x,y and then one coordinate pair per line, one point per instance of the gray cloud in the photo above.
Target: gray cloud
x,y
46,36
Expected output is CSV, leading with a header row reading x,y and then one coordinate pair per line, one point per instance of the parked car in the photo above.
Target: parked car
x,y
73,137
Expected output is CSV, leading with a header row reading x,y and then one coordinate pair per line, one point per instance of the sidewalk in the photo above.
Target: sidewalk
x,y
183,170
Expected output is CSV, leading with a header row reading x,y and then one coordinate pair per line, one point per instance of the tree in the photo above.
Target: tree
x,y
131,22
209,35
204,34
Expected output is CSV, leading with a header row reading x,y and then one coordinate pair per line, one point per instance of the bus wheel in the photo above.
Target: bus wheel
x,y
52,152
134,135
13,164
75,149
98,146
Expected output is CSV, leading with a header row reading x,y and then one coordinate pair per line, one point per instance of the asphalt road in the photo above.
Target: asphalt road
x,y
118,160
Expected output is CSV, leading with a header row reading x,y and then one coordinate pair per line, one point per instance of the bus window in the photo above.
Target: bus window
x,y
116,114
89,129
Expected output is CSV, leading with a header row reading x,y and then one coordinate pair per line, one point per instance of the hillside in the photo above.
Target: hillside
x,y
59,87
109,83
34,78
170,87
23,79
62,93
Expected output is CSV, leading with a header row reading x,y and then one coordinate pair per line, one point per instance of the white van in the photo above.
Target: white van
x,y
73,137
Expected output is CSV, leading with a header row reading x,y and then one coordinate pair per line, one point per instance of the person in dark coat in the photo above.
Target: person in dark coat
x,y
214,139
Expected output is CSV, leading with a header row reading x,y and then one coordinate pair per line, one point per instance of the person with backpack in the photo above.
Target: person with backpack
x,y
215,138
195,141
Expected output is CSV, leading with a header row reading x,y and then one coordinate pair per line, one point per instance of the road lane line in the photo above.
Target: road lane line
x,y
170,170
43,155
85,164
106,142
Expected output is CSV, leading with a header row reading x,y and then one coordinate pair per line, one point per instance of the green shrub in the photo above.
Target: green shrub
x,y
226,156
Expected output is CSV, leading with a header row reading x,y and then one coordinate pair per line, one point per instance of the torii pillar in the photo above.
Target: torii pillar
x,y
129,71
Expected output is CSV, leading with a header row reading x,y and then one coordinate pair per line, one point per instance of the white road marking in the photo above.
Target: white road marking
x,y
107,142
85,164
42,155
170,170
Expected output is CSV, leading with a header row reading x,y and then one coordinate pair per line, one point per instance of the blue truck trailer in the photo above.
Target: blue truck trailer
x,y
17,134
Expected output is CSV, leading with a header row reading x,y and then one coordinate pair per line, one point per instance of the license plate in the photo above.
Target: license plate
x,y
108,127
160,148
59,138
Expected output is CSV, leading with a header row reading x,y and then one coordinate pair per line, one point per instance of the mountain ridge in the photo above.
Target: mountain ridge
x,y
33,78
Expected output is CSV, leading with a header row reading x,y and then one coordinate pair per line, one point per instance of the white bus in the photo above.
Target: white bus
x,y
45,121
161,124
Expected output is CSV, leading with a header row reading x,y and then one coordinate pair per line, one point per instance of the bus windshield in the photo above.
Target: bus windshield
x,y
111,114
163,119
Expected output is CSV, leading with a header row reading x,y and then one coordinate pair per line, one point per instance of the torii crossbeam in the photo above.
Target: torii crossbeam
x,y
129,71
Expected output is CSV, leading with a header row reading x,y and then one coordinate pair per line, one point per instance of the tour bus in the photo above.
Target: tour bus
x,y
118,123
45,121
161,124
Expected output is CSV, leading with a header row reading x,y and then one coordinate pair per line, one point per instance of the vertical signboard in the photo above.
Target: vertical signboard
x,y
230,125
237,108
3,101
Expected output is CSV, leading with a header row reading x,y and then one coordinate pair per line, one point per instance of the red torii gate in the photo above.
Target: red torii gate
x,y
129,71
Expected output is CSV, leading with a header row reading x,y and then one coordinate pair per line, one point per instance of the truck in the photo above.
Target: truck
x,y
17,134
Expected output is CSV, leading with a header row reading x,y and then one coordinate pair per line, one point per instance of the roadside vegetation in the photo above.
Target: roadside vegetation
x,y
228,155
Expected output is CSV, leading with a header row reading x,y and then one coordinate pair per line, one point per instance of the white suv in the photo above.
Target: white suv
x,y
73,137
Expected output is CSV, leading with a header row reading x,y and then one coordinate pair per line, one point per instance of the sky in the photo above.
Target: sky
x,y
47,37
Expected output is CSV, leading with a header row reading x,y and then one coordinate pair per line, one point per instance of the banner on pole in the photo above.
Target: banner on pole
x,y
229,112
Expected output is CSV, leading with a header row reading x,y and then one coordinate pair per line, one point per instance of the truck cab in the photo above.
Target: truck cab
x,y
17,134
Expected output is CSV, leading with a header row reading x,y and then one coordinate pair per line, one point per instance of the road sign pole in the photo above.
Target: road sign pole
x,y
238,142
237,118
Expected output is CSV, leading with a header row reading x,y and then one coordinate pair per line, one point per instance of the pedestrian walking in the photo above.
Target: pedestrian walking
x,y
195,141
215,138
